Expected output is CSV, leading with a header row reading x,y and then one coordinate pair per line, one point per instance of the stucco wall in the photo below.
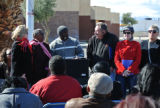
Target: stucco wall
x,y
115,18
84,8
67,5
100,13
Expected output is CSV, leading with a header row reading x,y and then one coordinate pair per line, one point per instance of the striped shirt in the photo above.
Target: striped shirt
x,y
67,49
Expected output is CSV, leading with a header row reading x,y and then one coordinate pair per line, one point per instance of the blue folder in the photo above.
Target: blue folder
x,y
127,63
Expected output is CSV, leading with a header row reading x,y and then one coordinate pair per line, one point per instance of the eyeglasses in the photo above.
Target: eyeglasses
x,y
152,31
126,32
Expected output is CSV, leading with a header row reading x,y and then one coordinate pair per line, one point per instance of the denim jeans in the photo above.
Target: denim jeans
x,y
126,82
113,75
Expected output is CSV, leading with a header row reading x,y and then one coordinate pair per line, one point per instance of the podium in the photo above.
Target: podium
x,y
78,68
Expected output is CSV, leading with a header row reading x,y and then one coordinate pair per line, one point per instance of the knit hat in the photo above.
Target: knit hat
x,y
61,29
100,83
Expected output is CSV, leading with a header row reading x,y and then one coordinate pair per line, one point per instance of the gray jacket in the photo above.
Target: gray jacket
x,y
67,49
19,98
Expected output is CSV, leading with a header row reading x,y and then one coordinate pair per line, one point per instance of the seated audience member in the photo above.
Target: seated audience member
x,y
66,46
5,58
103,67
15,95
41,55
2,76
58,87
149,81
99,88
136,101
5,64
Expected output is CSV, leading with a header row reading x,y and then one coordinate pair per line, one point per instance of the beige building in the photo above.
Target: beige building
x,y
102,14
80,18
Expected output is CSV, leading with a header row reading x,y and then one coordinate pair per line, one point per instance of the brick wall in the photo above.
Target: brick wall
x,y
85,27
115,29
67,18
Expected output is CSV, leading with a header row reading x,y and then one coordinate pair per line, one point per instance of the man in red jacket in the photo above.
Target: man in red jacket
x,y
99,88
58,87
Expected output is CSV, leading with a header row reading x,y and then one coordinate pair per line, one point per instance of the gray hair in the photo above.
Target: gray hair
x,y
20,31
38,32
102,25
155,27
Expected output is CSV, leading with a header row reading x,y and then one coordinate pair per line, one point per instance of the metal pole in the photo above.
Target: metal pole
x,y
30,18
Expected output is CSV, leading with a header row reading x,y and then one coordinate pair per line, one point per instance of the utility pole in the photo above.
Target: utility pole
x,y
30,18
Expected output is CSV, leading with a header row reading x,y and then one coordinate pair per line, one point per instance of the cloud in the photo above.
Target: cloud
x,y
138,8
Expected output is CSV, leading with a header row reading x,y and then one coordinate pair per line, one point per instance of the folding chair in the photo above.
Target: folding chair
x,y
116,101
55,105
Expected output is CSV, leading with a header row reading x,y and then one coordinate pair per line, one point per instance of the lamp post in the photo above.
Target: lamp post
x,y
30,18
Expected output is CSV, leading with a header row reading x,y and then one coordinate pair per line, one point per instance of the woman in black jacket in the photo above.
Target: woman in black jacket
x,y
21,58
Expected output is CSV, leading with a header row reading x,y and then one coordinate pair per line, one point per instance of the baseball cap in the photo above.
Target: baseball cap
x,y
128,28
100,83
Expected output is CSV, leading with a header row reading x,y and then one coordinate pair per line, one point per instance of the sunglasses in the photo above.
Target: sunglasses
x,y
126,32
152,31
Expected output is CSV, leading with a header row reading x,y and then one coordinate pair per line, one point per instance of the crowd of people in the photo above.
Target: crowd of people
x,y
34,73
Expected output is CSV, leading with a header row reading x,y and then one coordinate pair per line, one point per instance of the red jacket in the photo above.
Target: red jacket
x,y
127,50
57,89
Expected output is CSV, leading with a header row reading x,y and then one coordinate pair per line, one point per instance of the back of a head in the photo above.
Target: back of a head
x,y
102,67
136,101
149,80
100,83
20,32
57,65
15,82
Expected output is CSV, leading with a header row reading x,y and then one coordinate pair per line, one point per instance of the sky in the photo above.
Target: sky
x,y
138,8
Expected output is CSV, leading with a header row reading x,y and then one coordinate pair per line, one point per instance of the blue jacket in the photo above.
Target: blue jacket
x,y
67,49
19,98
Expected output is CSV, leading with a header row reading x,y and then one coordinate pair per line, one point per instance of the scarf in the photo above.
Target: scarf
x,y
45,50
24,43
